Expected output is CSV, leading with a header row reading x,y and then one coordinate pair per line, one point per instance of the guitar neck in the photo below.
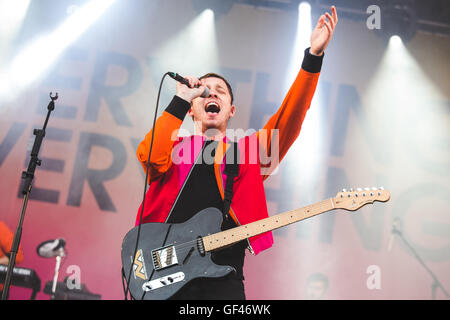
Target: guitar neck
x,y
230,236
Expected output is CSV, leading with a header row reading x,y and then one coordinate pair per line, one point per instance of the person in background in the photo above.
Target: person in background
x,y
6,240
316,286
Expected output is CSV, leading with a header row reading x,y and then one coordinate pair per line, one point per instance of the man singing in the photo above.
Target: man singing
x,y
180,189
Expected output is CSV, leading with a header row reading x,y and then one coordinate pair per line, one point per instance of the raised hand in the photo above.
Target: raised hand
x,y
323,32
187,93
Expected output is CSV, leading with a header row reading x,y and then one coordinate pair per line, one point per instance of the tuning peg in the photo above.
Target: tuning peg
x,y
381,188
374,188
344,190
358,189
367,189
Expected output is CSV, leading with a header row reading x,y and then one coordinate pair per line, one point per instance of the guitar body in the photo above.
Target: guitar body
x,y
170,255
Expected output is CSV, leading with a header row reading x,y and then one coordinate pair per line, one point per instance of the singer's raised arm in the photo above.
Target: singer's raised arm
x,y
290,115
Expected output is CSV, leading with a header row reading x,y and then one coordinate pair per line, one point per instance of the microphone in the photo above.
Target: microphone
x,y
51,248
394,230
184,81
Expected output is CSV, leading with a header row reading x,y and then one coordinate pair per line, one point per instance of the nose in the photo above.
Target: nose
x,y
212,93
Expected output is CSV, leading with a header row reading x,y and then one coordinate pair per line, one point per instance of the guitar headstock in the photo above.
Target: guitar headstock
x,y
355,199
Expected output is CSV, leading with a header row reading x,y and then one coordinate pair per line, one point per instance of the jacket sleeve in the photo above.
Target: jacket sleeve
x,y
165,135
286,123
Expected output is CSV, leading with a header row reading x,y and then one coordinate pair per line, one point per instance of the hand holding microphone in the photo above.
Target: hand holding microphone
x,y
189,88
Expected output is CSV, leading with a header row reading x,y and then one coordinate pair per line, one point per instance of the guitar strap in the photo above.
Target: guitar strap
x,y
231,171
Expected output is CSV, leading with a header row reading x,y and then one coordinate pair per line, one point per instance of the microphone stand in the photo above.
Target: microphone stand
x,y
27,176
55,277
436,283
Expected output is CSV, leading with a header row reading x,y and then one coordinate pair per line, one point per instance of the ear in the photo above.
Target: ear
x,y
232,111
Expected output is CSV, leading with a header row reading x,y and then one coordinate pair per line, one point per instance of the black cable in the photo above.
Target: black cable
x,y
145,188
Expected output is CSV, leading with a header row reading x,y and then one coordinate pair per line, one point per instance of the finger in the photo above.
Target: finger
x,y
330,30
320,22
188,80
330,19
196,82
192,81
335,16
333,23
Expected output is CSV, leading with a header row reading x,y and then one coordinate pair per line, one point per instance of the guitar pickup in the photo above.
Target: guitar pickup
x,y
164,257
163,281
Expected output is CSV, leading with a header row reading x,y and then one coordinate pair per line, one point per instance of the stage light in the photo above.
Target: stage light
x,y
197,41
11,17
304,8
395,41
401,90
29,64
208,14
398,18
220,7
192,51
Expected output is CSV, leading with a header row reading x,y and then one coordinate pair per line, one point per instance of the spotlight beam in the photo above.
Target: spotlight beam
x,y
310,138
28,65
302,41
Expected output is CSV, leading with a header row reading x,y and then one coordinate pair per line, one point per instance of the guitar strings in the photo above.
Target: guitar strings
x,y
186,246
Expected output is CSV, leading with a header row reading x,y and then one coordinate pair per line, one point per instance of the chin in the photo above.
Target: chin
x,y
212,125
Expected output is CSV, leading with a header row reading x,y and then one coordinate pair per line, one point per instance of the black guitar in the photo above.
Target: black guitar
x,y
170,255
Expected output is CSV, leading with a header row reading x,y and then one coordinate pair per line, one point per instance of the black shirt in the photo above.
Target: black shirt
x,y
200,192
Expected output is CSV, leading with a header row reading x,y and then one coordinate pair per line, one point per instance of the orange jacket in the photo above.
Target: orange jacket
x,y
166,177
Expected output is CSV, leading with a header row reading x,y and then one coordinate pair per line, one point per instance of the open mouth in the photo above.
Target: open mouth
x,y
212,107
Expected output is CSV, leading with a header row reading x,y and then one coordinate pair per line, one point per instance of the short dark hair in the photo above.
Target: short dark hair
x,y
215,75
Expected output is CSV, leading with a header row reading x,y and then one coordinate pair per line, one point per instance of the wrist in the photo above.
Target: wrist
x,y
312,63
315,52
185,97
178,107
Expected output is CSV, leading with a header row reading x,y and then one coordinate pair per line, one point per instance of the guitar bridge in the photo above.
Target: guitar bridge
x,y
164,257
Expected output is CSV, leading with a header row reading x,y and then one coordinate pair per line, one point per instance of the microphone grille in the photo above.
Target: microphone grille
x,y
205,93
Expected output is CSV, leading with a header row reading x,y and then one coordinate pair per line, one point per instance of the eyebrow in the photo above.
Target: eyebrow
x,y
221,86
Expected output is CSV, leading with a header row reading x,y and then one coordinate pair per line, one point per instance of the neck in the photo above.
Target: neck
x,y
210,133
215,137
230,236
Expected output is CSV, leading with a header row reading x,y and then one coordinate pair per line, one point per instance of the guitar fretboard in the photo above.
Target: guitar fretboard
x,y
227,237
